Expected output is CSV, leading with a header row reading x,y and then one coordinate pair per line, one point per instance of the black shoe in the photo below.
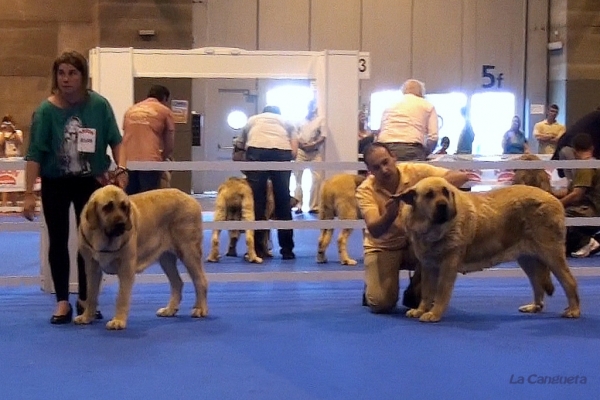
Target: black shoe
x,y
364,300
63,319
81,309
288,255
298,211
313,212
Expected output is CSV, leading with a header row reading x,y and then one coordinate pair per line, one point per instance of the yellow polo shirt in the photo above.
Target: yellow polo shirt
x,y
554,130
371,196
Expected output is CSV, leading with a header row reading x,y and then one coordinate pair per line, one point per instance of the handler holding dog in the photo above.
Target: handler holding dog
x,y
386,245
70,133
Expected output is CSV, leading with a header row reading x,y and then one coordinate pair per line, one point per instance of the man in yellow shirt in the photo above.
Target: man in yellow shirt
x,y
386,246
548,131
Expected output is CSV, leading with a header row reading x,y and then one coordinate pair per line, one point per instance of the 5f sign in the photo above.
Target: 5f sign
x,y
490,78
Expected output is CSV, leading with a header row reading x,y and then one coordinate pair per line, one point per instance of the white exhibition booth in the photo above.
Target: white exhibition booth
x,y
336,76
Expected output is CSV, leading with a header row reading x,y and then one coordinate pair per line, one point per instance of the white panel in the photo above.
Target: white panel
x,y
229,63
341,105
112,77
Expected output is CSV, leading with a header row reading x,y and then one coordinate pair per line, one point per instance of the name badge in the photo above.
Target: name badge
x,y
86,140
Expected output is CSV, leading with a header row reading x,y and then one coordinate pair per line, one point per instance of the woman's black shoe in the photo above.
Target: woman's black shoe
x,y
81,309
62,319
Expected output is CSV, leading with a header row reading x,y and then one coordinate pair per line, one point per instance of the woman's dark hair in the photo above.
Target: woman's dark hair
x,y
75,59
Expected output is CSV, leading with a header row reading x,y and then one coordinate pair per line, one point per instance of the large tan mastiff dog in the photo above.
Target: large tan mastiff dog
x,y
337,200
123,235
235,202
453,231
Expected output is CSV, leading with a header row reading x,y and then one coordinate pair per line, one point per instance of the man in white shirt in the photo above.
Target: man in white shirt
x,y
269,137
311,136
548,131
410,128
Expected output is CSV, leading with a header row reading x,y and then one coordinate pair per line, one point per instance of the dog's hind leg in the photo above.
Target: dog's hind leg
x,y
220,215
234,236
168,263
325,213
248,215
213,256
191,256
343,247
539,277
557,263
324,240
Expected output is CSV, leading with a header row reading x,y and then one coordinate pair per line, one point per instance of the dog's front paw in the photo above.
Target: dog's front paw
x,y
571,313
254,260
349,261
321,258
531,308
199,312
213,257
166,312
414,313
83,319
429,317
116,324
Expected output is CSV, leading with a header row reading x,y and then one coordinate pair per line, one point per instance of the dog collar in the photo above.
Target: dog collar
x,y
104,250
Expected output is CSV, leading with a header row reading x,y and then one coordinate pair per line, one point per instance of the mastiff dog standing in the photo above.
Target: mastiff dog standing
x,y
453,231
123,235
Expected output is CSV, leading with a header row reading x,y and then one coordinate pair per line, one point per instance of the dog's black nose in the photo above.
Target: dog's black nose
x,y
118,229
441,213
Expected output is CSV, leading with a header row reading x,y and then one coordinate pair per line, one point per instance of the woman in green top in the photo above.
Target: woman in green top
x,y
70,133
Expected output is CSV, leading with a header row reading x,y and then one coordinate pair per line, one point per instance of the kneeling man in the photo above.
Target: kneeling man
x,y
386,245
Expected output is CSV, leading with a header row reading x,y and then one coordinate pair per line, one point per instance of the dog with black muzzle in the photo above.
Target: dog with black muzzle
x,y
452,231
123,235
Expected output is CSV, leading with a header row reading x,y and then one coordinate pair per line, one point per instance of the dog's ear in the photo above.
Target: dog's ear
x,y
409,196
128,224
91,215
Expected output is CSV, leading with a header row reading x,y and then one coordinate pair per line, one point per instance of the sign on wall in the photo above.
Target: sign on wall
x,y
180,111
492,79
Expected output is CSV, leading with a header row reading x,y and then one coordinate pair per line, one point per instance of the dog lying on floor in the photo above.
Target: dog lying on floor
x,y
123,235
337,200
235,203
453,231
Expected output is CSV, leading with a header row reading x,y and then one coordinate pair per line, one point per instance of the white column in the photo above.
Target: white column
x,y
337,84
111,70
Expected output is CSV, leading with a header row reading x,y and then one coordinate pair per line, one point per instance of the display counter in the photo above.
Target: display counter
x,y
12,180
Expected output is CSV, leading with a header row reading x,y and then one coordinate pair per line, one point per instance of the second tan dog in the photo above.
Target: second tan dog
x,y
453,231
532,177
235,203
337,200
123,235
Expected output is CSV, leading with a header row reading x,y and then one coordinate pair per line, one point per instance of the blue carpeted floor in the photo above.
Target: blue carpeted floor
x,y
296,340
302,341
